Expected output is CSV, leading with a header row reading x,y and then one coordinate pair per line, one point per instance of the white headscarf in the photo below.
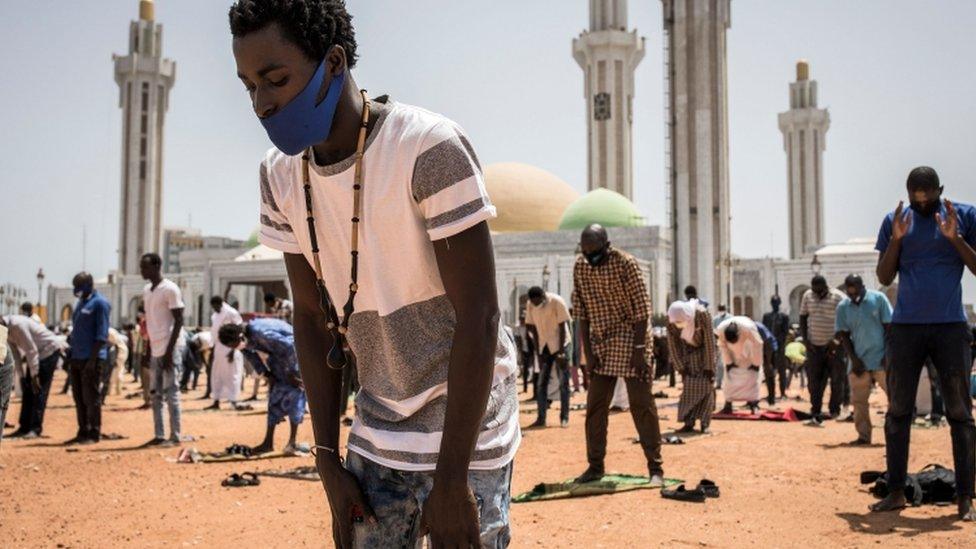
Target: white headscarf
x,y
684,312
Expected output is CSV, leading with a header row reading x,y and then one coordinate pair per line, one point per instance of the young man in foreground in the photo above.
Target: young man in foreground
x,y
380,209
928,246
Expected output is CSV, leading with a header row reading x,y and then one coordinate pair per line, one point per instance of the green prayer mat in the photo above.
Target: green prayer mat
x,y
609,484
298,473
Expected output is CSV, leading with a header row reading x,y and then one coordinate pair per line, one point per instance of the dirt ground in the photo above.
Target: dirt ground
x,y
783,485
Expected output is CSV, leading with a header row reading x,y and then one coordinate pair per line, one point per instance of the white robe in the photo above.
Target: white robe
x,y
741,383
226,375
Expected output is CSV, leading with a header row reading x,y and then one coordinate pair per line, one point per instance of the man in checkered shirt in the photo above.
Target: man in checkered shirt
x,y
612,309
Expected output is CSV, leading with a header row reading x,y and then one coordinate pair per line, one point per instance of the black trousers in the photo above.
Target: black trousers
x,y
777,367
85,378
643,410
527,376
32,406
823,368
948,345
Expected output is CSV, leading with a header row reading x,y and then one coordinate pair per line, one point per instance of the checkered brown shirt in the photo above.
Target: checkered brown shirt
x,y
693,360
611,298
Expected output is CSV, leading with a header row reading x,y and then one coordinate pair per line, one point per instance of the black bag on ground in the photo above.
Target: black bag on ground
x,y
933,484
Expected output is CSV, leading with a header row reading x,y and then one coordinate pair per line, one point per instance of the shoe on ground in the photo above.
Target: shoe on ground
x,y
859,442
657,480
87,441
813,422
591,474
156,441
727,409
31,435
564,423
681,493
537,425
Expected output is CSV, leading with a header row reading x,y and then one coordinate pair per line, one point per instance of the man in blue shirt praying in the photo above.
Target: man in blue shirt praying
x,y
927,247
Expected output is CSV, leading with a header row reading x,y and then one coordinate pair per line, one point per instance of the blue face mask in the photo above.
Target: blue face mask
x,y
83,290
302,123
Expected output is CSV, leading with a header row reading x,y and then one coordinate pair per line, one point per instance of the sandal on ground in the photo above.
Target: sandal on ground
x,y
681,493
708,487
242,479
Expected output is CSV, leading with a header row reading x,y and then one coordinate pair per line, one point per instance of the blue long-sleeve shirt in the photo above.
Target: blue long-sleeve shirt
x,y
276,339
89,323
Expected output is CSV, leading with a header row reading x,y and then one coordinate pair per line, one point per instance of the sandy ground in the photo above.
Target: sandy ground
x,y
783,485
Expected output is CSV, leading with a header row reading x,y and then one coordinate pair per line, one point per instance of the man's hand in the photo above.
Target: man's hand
x,y
949,226
592,362
35,385
166,362
450,516
901,222
294,380
639,364
346,499
857,366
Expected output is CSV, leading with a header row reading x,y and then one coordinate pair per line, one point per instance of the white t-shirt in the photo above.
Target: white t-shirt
x,y
422,182
547,319
159,303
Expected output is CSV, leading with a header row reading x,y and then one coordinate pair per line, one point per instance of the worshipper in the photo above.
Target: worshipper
x,y
163,301
27,309
6,378
274,339
278,307
526,350
796,353
226,369
742,348
547,319
723,313
863,319
193,360
574,355
927,247
691,347
39,351
818,314
777,322
691,294
418,307
118,355
612,307
88,356
143,349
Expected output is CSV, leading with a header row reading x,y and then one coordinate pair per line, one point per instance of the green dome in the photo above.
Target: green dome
x,y
252,241
602,206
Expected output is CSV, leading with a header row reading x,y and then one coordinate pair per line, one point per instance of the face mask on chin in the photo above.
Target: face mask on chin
x,y
303,122
925,209
82,291
598,257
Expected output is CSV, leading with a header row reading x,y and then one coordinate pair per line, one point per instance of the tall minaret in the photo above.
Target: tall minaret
x,y
804,127
698,144
608,55
144,78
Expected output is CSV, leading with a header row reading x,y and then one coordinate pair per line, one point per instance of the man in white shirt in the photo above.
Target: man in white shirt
x,y
27,309
164,322
547,320
742,350
39,350
227,369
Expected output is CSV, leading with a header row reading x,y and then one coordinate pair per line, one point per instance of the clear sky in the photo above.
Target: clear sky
x,y
896,75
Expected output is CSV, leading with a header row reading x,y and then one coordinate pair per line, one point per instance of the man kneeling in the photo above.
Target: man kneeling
x,y
275,339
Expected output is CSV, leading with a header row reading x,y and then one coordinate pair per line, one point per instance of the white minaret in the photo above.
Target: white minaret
x,y
804,127
608,55
698,149
144,78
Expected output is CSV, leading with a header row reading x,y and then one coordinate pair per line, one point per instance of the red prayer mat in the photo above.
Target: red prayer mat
x,y
769,415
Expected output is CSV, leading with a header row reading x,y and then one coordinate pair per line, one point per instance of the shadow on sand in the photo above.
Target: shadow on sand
x,y
881,524
848,445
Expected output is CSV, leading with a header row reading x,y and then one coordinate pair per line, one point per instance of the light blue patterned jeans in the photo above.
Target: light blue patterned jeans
x,y
164,386
397,498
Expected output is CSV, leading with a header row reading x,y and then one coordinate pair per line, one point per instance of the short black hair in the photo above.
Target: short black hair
x,y
854,280
230,334
535,292
732,332
27,307
153,259
312,25
818,280
216,301
923,178
269,297
722,308
691,291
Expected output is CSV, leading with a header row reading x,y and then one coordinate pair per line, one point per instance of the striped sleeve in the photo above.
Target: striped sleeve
x,y
276,231
448,184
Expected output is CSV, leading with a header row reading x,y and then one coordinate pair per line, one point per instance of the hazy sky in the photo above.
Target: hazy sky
x,y
896,75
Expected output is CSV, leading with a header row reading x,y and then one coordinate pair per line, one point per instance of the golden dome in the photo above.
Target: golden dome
x,y
802,70
146,10
527,198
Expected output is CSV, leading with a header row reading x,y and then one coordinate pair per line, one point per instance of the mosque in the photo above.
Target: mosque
x,y
539,216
